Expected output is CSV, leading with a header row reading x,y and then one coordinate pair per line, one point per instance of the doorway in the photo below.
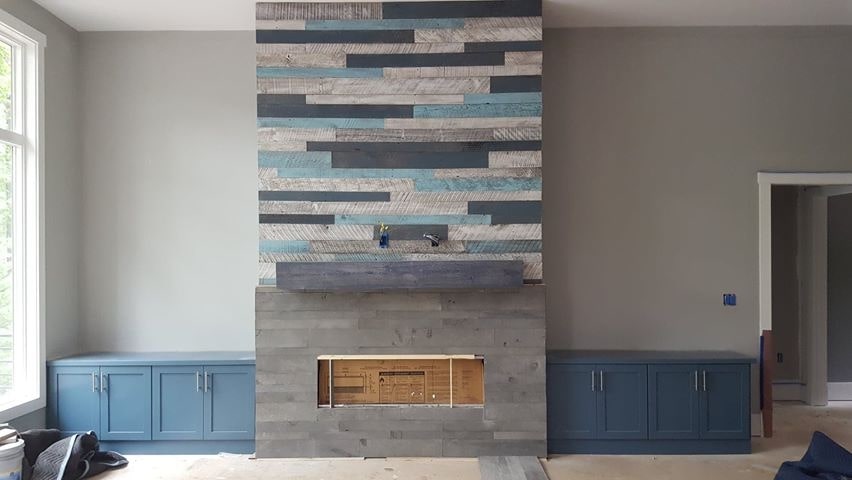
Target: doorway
x,y
798,308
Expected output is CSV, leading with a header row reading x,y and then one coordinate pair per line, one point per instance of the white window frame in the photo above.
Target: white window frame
x,y
29,134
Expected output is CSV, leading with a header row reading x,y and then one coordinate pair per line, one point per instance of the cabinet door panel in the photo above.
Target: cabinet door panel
x,y
73,399
571,402
725,409
125,403
622,398
229,403
673,402
178,403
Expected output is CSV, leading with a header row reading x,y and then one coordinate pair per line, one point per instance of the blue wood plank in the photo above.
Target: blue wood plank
x,y
478,110
300,122
571,402
229,393
304,72
180,447
178,410
515,97
478,184
388,24
73,402
125,403
412,219
284,246
355,173
503,246
156,358
294,159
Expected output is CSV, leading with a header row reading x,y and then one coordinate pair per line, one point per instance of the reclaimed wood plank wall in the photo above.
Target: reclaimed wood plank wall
x,y
425,116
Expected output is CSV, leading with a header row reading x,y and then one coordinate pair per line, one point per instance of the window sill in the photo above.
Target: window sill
x,y
18,408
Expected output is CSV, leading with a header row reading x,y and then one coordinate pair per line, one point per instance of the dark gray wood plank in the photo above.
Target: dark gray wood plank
x,y
521,83
471,159
303,196
335,36
297,219
383,276
519,46
456,9
425,60
507,212
268,106
509,146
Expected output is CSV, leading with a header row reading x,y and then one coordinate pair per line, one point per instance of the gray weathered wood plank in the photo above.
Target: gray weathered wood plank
x,y
511,468
382,276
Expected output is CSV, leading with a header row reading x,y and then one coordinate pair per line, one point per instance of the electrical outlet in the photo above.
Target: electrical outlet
x,y
780,357
729,299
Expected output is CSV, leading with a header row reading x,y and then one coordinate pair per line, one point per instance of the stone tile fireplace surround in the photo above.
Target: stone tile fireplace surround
x,y
507,327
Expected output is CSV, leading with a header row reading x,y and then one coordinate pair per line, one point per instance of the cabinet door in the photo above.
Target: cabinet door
x,y
229,402
125,403
725,397
622,399
673,402
73,399
571,402
178,403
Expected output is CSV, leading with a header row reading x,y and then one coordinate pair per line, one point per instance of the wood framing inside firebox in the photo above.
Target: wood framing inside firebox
x,y
401,380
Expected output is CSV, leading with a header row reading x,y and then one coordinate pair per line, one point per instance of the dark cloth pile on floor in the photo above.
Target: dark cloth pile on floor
x,y
824,460
48,456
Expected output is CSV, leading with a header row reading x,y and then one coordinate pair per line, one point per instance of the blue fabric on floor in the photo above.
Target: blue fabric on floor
x,y
824,460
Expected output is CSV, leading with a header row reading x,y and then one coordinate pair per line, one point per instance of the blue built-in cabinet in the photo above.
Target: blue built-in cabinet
x,y
648,402
157,403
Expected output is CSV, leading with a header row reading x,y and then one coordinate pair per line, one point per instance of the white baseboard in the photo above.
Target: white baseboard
x,y
839,391
788,392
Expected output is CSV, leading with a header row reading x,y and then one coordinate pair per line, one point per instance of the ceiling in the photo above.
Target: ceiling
x,y
110,15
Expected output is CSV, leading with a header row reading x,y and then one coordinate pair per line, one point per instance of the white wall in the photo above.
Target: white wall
x,y
169,191
652,141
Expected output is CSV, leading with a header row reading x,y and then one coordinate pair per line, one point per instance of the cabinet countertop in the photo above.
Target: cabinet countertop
x,y
646,356
156,358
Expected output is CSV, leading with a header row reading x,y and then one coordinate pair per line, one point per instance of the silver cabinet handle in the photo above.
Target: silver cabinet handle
x,y
704,380
205,382
198,381
602,381
94,382
104,381
593,380
696,380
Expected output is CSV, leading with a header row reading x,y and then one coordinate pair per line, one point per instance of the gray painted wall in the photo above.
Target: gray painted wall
x,y
62,175
653,139
839,288
170,191
785,280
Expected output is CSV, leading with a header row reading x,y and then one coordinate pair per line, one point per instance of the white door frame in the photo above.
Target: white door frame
x,y
816,370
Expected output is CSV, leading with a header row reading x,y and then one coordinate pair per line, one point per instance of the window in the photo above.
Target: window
x,y
21,342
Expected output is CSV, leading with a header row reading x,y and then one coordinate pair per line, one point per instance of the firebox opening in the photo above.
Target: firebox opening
x,y
397,380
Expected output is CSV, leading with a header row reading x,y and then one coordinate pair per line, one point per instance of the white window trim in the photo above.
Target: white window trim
x,y
32,63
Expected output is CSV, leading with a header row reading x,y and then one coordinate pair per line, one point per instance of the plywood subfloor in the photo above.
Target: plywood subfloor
x,y
794,425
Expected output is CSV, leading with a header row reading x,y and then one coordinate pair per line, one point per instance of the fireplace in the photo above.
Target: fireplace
x,y
464,373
